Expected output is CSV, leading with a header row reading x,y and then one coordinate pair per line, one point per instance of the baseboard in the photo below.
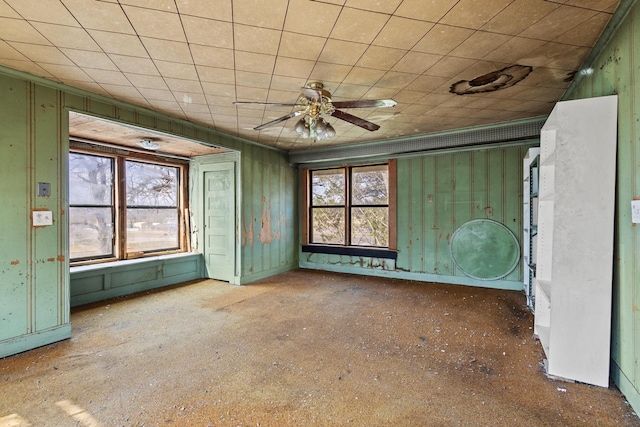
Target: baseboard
x,y
248,278
421,277
26,342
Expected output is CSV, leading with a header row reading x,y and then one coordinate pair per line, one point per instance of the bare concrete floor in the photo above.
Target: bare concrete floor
x,y
301,349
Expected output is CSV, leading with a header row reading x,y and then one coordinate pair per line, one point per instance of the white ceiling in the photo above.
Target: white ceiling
x,y
193,59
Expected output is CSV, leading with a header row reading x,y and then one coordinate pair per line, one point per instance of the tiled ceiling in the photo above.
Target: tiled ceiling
x,y
194,59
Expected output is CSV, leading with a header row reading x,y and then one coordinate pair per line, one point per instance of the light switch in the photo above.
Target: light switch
x,y
44,189
635,211
42,218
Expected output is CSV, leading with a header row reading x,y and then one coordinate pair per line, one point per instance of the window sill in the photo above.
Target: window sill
x,y
351,251
122,263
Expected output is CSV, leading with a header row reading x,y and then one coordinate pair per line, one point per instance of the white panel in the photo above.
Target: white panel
x,y
575,238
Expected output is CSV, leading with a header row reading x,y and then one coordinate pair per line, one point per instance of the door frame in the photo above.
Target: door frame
x,y
199,166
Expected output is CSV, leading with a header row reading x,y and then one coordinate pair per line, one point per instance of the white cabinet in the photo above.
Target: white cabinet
x,y
574,245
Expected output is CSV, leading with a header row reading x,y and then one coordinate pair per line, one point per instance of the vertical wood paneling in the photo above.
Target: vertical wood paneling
x,y
495,176
283,222
45,167
269,239
416,215
480,183
462,196
513,211
34,285
14,227
256,162
403,214
438,193
444,192
429,215
265,213
247,219
634,76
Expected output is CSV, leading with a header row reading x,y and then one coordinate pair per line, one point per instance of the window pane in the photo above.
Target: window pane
x,y
328,187
328,225
90,232
370,226
151,185
152,229
370,185
90,180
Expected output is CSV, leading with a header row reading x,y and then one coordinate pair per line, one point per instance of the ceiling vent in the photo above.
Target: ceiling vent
x,y
492,81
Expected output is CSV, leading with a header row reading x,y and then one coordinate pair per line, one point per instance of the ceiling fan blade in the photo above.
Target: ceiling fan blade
x,y
279,120
355,120
269,104
365,103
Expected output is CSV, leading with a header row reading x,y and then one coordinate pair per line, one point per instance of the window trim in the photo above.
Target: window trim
x,y
120,204
389,252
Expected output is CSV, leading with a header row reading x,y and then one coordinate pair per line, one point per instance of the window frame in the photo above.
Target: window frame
x,y
348,249
119,206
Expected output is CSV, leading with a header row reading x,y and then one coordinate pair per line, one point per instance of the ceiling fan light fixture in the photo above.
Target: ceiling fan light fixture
x,y
308,127
300,126
148,144
314,102
331,132
586,71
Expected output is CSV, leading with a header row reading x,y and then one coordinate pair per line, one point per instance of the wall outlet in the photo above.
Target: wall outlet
x,y
42,218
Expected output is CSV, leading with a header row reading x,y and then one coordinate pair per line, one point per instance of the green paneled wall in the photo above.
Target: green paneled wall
x,y
15,231
435,195
617,71
34,271
34,300
269,221
445,191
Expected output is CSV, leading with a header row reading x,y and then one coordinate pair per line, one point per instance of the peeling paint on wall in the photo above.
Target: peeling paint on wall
x,y
266,235
247,233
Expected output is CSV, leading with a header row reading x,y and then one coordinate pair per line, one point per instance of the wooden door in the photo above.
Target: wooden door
x,y
219,220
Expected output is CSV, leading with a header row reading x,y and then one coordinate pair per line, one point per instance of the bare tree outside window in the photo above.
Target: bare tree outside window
x,y
91,215
328,201
152,207
361,219
150,216
370,206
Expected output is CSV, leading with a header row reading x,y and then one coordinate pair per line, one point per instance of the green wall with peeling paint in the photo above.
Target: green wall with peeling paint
x,y
435,195
34,269
617,71
34,300
269,216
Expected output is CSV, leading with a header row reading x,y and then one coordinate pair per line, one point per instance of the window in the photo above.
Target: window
x,y
122,207
350,207
91,206
152,207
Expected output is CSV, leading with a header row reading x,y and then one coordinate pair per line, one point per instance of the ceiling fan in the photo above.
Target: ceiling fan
x,y
313,102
